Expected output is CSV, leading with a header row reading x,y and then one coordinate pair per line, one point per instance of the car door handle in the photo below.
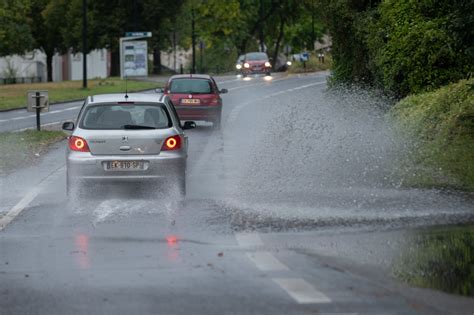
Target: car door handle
x,y
125,148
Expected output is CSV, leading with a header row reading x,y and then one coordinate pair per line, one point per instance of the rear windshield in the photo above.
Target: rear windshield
x,y
191,86
117,116
256,56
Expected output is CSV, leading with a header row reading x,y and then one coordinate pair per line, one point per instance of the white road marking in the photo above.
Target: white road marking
x,y
265,261
301,291
42,114
42,125
248,239
26,200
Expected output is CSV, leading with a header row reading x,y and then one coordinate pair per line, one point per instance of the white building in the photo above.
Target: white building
x,y
175,59
65,67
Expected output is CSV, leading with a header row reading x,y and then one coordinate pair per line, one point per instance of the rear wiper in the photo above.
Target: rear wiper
x,y
137,127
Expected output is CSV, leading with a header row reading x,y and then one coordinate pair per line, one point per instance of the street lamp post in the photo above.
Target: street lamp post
x,y
193,38
262,45
84,44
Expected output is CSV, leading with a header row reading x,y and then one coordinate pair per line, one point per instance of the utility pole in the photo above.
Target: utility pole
x,y
201,52
262,45
193,37
84,44
312,25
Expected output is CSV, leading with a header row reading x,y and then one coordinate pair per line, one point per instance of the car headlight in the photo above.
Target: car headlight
x,y
246,65
238,66
289,63
267,64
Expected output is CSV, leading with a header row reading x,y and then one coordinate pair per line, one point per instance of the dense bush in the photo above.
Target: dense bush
x,y
416,46
441,123
402,46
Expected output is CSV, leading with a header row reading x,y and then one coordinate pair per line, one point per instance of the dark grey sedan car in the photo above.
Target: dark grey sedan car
x,y
134,138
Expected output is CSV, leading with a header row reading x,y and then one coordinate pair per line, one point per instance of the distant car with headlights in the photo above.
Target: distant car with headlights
x,y
256,63
196,97
120,138
239,63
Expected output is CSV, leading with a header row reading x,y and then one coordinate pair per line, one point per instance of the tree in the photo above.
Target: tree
x,y
46,19
15,32
420,46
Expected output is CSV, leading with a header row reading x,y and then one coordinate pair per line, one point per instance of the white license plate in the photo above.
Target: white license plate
x,y
190,101
125,165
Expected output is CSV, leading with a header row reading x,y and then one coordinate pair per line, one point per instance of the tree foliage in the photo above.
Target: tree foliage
x,y
15,32
403,46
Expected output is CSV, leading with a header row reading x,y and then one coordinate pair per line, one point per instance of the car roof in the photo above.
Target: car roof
x,y
132,97
190,76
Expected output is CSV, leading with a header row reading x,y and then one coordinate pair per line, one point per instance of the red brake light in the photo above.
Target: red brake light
x,y
172,143
214,101
78,144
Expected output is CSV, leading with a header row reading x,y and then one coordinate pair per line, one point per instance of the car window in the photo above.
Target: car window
x,y
256,56
193,86
116,116
173,111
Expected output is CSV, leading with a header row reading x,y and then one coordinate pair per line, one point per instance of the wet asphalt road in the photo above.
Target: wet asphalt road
x,y
295,207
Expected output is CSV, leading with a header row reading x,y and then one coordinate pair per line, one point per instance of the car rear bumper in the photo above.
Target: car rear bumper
x,y
199,112
85,167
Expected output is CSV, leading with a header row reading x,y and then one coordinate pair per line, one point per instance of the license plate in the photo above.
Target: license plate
x,y
190,101
124,165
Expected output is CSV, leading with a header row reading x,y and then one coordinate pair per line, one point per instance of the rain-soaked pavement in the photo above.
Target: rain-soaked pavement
x,y
296,207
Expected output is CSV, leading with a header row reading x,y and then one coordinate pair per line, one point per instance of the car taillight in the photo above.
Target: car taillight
x,y
213,101
78,144
172,143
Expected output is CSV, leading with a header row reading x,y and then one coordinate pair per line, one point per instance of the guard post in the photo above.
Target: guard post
x,y
38,101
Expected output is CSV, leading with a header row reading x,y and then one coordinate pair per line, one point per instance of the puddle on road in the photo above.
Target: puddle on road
x,y
440,258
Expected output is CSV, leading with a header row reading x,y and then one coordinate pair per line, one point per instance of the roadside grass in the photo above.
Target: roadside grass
x,y
312,65
14,95
440,258
439,129
20,149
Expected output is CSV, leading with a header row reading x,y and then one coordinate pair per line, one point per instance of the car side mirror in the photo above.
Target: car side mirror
x,y
223,91
189,125
159,90
68,125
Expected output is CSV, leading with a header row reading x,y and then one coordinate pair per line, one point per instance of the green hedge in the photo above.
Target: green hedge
x,y
441,126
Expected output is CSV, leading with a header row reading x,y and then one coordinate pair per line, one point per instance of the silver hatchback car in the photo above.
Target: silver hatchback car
x,y
120,138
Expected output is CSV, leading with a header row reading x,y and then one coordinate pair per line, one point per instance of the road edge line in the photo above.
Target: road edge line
x,y
25,201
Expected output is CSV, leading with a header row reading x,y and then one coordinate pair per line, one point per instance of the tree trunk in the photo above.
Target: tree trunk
x,y
157,60
115,63
278,42
49,66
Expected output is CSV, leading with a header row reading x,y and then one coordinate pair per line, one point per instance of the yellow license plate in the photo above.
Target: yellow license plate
x,y
190,101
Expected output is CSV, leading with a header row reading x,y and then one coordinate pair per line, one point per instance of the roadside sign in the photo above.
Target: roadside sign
x,y
32,101
135,58
304,56
138,34
134,54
